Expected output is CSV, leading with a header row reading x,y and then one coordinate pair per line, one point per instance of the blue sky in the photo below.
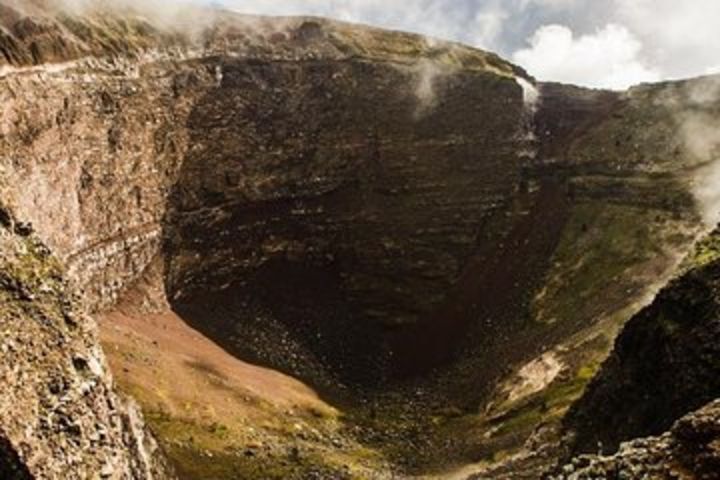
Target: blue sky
x,y
603,43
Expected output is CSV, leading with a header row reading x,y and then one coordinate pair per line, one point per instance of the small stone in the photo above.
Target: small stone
x,y
24,229
107,470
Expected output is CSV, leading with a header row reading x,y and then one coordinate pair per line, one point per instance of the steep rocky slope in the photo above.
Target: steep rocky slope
x,y
652,410
664,364
60,414
660,377
389,218
325,177
690,450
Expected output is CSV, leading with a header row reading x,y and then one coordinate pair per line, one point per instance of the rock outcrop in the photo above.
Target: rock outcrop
x,y
652,410
61,417
664,364
689,451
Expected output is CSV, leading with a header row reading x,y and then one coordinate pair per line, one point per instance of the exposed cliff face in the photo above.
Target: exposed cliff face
x,y
405,227
104,150
664,365
318,190
60,414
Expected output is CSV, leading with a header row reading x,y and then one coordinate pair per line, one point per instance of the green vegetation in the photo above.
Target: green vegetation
x,y
549,405
280,447
34,265
706,251
620,244
30,273
217,452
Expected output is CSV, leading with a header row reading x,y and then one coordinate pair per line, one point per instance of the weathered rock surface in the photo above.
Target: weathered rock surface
x,y
664,365
651,412
60,415
325,194
689,451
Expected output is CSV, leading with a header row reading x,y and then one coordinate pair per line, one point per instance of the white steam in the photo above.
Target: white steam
x,y
531,103
185,16
701,133
426,73
700,128
531,95
707,193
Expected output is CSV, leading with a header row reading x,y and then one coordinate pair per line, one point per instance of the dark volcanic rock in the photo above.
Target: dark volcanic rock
x,y
567,113
689,451
11,465
664,365
336,202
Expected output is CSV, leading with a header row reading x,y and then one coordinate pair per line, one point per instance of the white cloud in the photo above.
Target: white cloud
x,y
681,37
477,22
550,3
610,43
609,58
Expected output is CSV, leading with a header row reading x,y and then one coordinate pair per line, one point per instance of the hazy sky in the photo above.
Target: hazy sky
x,y
602,43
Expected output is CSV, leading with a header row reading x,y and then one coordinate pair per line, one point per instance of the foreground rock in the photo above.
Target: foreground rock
x,y
689,451
59,414
664,365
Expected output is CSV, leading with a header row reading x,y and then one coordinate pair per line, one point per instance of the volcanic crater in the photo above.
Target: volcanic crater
x,y
323,250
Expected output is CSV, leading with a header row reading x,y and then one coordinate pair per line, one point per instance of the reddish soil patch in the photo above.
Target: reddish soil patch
x,y
175,367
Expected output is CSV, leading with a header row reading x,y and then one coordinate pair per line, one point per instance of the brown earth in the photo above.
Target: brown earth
x,y
217,414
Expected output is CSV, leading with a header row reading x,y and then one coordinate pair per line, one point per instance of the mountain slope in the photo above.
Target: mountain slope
x,y
664,364
61,416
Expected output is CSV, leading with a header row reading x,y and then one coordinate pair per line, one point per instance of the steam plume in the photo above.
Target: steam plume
x,y
694,107
700,127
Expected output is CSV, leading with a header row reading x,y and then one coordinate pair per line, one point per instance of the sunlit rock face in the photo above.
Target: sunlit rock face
x,y
91,133
61,415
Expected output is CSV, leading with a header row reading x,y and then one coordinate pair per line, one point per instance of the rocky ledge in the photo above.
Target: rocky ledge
x,y
690,450
61,417
664,364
